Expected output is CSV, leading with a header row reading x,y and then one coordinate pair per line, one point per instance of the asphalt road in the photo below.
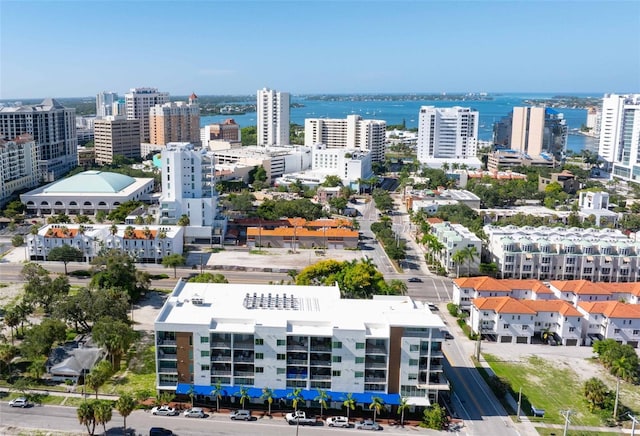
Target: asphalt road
x,y
64,419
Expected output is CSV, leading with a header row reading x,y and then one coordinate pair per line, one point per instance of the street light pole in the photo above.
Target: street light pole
x,y
566,414
633,426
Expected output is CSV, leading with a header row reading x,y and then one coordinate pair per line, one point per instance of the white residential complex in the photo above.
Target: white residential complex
x,y
145,244
53,128
447,133
350,132
18,166
560,253
273,117
276,161
620,135
104,103
455,238
188,188
286,337
138,102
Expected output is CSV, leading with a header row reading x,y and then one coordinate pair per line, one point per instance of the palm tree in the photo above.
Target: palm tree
x,y
86,416
244,395
470,253
376,406
216,391
191,392
296,396
404,405
113,229
458,257
103,413
322,400
125,405
267,394
349,403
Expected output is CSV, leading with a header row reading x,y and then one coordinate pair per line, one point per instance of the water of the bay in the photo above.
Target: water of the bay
x,y
399,111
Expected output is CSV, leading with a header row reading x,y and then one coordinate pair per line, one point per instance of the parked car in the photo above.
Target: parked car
x,y
194,412
159,431
241,414
415,280
338,421
164,411
368,425
300,417
19,402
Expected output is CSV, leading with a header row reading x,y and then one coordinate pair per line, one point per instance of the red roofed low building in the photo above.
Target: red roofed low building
x,y
611,320
575,291
467,288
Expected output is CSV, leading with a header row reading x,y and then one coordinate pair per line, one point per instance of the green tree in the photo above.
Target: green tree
x,y
596,393
184,221
397,287
376,405
98,376
87,416
65,254
101,216
249,135
331,181
404,405
125,405
216,392
40,338
119,214
434,417
458,258
322,399
259,179
37,367
173,261
296,397
243,394
267,395
103,413
470,254
116,336
7,353
338,204
209,278
349,403
116,270
17,241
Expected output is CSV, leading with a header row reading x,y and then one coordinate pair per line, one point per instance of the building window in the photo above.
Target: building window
x,y
259,341
259,369
204,339
281,342
414,347
259,356
204,353
281,357
336,373
505,326
572,329
205,367
337,359
525,327
359,360
616,331
413,362
413,376
636,332
359,374
359,345
281,370
337,344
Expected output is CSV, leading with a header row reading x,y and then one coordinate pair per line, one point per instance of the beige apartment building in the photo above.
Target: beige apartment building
x,y
175,122
115,136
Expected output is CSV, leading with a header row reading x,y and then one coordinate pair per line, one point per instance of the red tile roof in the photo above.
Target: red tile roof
x,y
483,283
503,305
583,287
559,306
612,309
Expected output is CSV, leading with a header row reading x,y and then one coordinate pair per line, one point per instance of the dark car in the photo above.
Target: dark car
x,y
160,431
415,280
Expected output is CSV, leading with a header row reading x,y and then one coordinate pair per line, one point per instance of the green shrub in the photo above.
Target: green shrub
x,y
453,309
80,273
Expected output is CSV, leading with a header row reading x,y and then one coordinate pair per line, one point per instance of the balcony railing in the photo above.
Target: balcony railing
x,y
376,365
243,373
166,342
320,363
321,347
321,377
221,344
375,350
243,359
222,358
375,379
166,356
296,361
296,347
162,370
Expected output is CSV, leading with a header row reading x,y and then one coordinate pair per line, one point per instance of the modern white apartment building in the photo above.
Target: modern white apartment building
x,y
175,122
53,128
350,165
620,135
188,188
145,244
276,161
455,238
116,136
561,253
138,102
350,132
286,337
104,103
273,117
18,166
447,132
611,320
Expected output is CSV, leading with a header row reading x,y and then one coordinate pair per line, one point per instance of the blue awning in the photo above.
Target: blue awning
x,y
365,398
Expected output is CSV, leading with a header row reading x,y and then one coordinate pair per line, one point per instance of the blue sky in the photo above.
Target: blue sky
x,y
78,48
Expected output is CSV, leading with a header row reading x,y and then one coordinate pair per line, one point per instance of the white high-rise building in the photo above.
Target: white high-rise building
x,y
273,117
350,132
18,166
104,103
188,188
620,135
53,127
447,132
138,101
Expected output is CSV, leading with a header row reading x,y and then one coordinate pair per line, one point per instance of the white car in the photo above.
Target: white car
x,y
19,402
338,421
368,425
164,411
194,412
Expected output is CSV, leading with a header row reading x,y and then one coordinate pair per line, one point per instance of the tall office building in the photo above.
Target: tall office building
x,y
54,130
620,135
273,117
533,131
174,122
18,165
350,132
104,104
448,132
116,136
138,102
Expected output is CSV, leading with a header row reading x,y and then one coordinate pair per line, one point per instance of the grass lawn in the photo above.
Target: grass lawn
x,y
141,372
546,387
558,431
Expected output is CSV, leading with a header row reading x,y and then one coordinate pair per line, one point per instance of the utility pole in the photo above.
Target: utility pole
x,y
566,414
633,426
615,405
519,404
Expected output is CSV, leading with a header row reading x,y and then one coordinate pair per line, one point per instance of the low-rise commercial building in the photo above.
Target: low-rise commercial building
x,y
298,337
